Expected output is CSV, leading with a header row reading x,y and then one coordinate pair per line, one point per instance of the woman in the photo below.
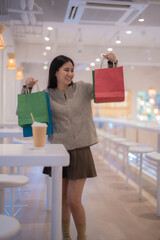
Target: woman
x,y
73,127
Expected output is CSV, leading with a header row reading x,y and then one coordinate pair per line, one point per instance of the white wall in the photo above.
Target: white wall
x,y
8,82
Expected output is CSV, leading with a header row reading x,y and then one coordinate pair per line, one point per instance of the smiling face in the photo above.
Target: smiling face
x,y
64,76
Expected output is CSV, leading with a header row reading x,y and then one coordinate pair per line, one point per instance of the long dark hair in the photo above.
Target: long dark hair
x,y
56,63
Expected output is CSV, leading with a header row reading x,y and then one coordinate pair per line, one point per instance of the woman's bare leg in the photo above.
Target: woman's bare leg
x,y
74,195
65,211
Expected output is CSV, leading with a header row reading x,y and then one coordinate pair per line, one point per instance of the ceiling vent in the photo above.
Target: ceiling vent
x,y
103,12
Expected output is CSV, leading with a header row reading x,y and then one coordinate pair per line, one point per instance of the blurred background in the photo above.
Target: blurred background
x,y
33,32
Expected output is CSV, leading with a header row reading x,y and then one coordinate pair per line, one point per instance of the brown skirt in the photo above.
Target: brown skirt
x,y
81,165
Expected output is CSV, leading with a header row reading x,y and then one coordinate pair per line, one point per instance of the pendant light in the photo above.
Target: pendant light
x,y
11,61
2,43
19,74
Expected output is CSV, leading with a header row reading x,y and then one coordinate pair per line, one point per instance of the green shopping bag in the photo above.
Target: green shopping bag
x,y
35,103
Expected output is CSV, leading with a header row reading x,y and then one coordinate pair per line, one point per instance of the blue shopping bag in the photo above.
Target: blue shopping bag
x,y
27,131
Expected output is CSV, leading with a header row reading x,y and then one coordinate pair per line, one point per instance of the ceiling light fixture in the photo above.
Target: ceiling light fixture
x,y
11,61
118,41
2,43
19,74
87,68
98,59
92,64
45,67
44,54
110,49
141,19
46,38
48,48
50,28
128,32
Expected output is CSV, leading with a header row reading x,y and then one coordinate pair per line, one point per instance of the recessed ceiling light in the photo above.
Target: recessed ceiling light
x,y
141,19
128,32
48,48
50,28
46,38
118,41
110,49
92,64
44,53
87,68
45,67
98,59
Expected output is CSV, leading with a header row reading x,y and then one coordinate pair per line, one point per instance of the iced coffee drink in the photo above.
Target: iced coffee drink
x,y
39,134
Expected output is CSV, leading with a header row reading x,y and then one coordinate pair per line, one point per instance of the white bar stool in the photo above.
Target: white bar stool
x,y
125,146
10,181
156,157
139,151
9,227
115,141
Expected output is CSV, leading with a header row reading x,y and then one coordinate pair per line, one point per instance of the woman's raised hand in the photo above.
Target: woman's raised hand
x,y
30,82
110,57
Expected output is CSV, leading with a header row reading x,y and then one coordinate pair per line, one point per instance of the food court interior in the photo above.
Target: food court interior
x,y
122,202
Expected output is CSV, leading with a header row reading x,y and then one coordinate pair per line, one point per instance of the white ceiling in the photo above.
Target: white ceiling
x,y
95,34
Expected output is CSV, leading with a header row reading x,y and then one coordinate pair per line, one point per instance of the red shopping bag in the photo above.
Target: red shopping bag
x,y
108,85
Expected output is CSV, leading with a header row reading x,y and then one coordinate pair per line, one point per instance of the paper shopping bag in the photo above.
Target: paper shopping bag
x,y
35,103
108,85
27,131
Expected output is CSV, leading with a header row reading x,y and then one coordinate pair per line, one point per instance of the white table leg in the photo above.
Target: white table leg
x,y
158,188
56,213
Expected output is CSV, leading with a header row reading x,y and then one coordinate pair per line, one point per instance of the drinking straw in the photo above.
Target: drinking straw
x,y
32,117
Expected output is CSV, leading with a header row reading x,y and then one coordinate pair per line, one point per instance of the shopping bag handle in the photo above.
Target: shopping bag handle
x,y
37,88
102,61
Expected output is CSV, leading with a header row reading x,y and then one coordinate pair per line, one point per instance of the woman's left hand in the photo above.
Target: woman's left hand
x,y
110,57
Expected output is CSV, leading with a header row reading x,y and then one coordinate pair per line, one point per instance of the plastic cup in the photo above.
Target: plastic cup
x,y
39,134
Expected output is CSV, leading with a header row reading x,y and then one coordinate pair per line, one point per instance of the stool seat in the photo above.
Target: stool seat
x,y
11,181
137,149
9,227
153,156
128,144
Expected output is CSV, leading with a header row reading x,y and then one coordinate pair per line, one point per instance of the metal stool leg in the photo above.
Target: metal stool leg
x,y
140,176
127,161
158,188
1,201
11,205
48,191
